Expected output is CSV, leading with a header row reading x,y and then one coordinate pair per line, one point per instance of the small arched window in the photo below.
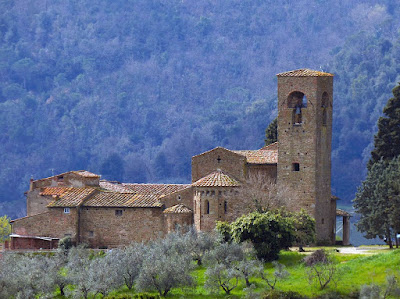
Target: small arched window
x,y
207,207
324,107
297,101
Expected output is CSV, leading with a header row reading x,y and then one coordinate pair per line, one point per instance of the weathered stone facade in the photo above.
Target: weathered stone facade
x,y
305,136
109,214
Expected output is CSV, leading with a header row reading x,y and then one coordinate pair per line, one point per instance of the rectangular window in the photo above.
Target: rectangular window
x,y
91,234
66,211
296,167
118,212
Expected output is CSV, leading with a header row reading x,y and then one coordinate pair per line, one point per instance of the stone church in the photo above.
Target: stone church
x,y
107,214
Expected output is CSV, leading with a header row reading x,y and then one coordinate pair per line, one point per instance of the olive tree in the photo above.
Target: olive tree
x,y
226,264
164,268
128,263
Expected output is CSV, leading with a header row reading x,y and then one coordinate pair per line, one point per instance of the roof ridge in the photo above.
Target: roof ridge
x,y
305,72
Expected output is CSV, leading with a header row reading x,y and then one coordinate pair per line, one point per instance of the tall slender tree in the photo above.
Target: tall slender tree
x,y
271,133
387,140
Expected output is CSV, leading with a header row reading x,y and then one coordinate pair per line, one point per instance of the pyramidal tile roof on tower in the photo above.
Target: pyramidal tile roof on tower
x,y
216,179
304,73
178,209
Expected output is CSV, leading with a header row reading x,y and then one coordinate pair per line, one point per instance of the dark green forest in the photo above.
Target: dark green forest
x,y
132,89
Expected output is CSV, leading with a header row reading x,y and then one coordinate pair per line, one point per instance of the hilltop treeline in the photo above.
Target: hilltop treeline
x,y
132,89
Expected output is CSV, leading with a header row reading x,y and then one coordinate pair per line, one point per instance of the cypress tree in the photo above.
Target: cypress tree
x,y
387,140
271,133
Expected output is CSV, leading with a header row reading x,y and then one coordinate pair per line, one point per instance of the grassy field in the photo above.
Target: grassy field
x,y
353,271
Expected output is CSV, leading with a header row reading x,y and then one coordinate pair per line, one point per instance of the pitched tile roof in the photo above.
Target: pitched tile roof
x,y
216,179
265,155
158,189
72,197
304,73
272,146
83,173
116,199
178,209
115,186
50,191
342,213
86,174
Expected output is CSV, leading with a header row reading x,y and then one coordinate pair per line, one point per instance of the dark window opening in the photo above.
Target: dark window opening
x,y
118,212
297,101
219,159
322,220
91,233
324,117
207,207
296,167
225,206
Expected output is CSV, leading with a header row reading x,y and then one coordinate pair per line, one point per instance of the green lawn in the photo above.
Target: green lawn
x,y
352,272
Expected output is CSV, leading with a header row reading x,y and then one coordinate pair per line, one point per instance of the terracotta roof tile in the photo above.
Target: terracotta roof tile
x,y
342,213
158,189
304,73
261,156
270,147
216,179
116,199
115,187
178,209
73,197
50,191
83,173
86,174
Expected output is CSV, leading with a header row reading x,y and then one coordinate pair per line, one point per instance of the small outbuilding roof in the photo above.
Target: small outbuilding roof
x,y
343,213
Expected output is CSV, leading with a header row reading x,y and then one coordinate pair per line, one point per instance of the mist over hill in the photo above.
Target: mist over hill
x,y
132,89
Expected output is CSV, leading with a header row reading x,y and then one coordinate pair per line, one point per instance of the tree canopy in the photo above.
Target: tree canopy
x,y
387,140
271,133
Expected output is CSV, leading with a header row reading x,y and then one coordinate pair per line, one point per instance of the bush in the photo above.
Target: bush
x,y
318,256
225,231
269,232
321,268
65,243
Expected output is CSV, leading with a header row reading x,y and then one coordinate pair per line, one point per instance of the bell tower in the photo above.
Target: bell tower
x,y
305,136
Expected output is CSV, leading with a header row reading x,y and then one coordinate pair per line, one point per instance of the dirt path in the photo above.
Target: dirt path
x,y
361,250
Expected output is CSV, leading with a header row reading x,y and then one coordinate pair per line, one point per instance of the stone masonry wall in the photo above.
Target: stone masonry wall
x,y
219,158
54,223
67,179
309,145
184,197
173,220
101,227
225,204
35,203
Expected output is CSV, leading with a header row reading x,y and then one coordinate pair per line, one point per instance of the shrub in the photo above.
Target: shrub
x,y
65,243
318,256
269,232
321,268
224,230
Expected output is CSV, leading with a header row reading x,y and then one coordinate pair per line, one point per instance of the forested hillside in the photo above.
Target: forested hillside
x,y
132,89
